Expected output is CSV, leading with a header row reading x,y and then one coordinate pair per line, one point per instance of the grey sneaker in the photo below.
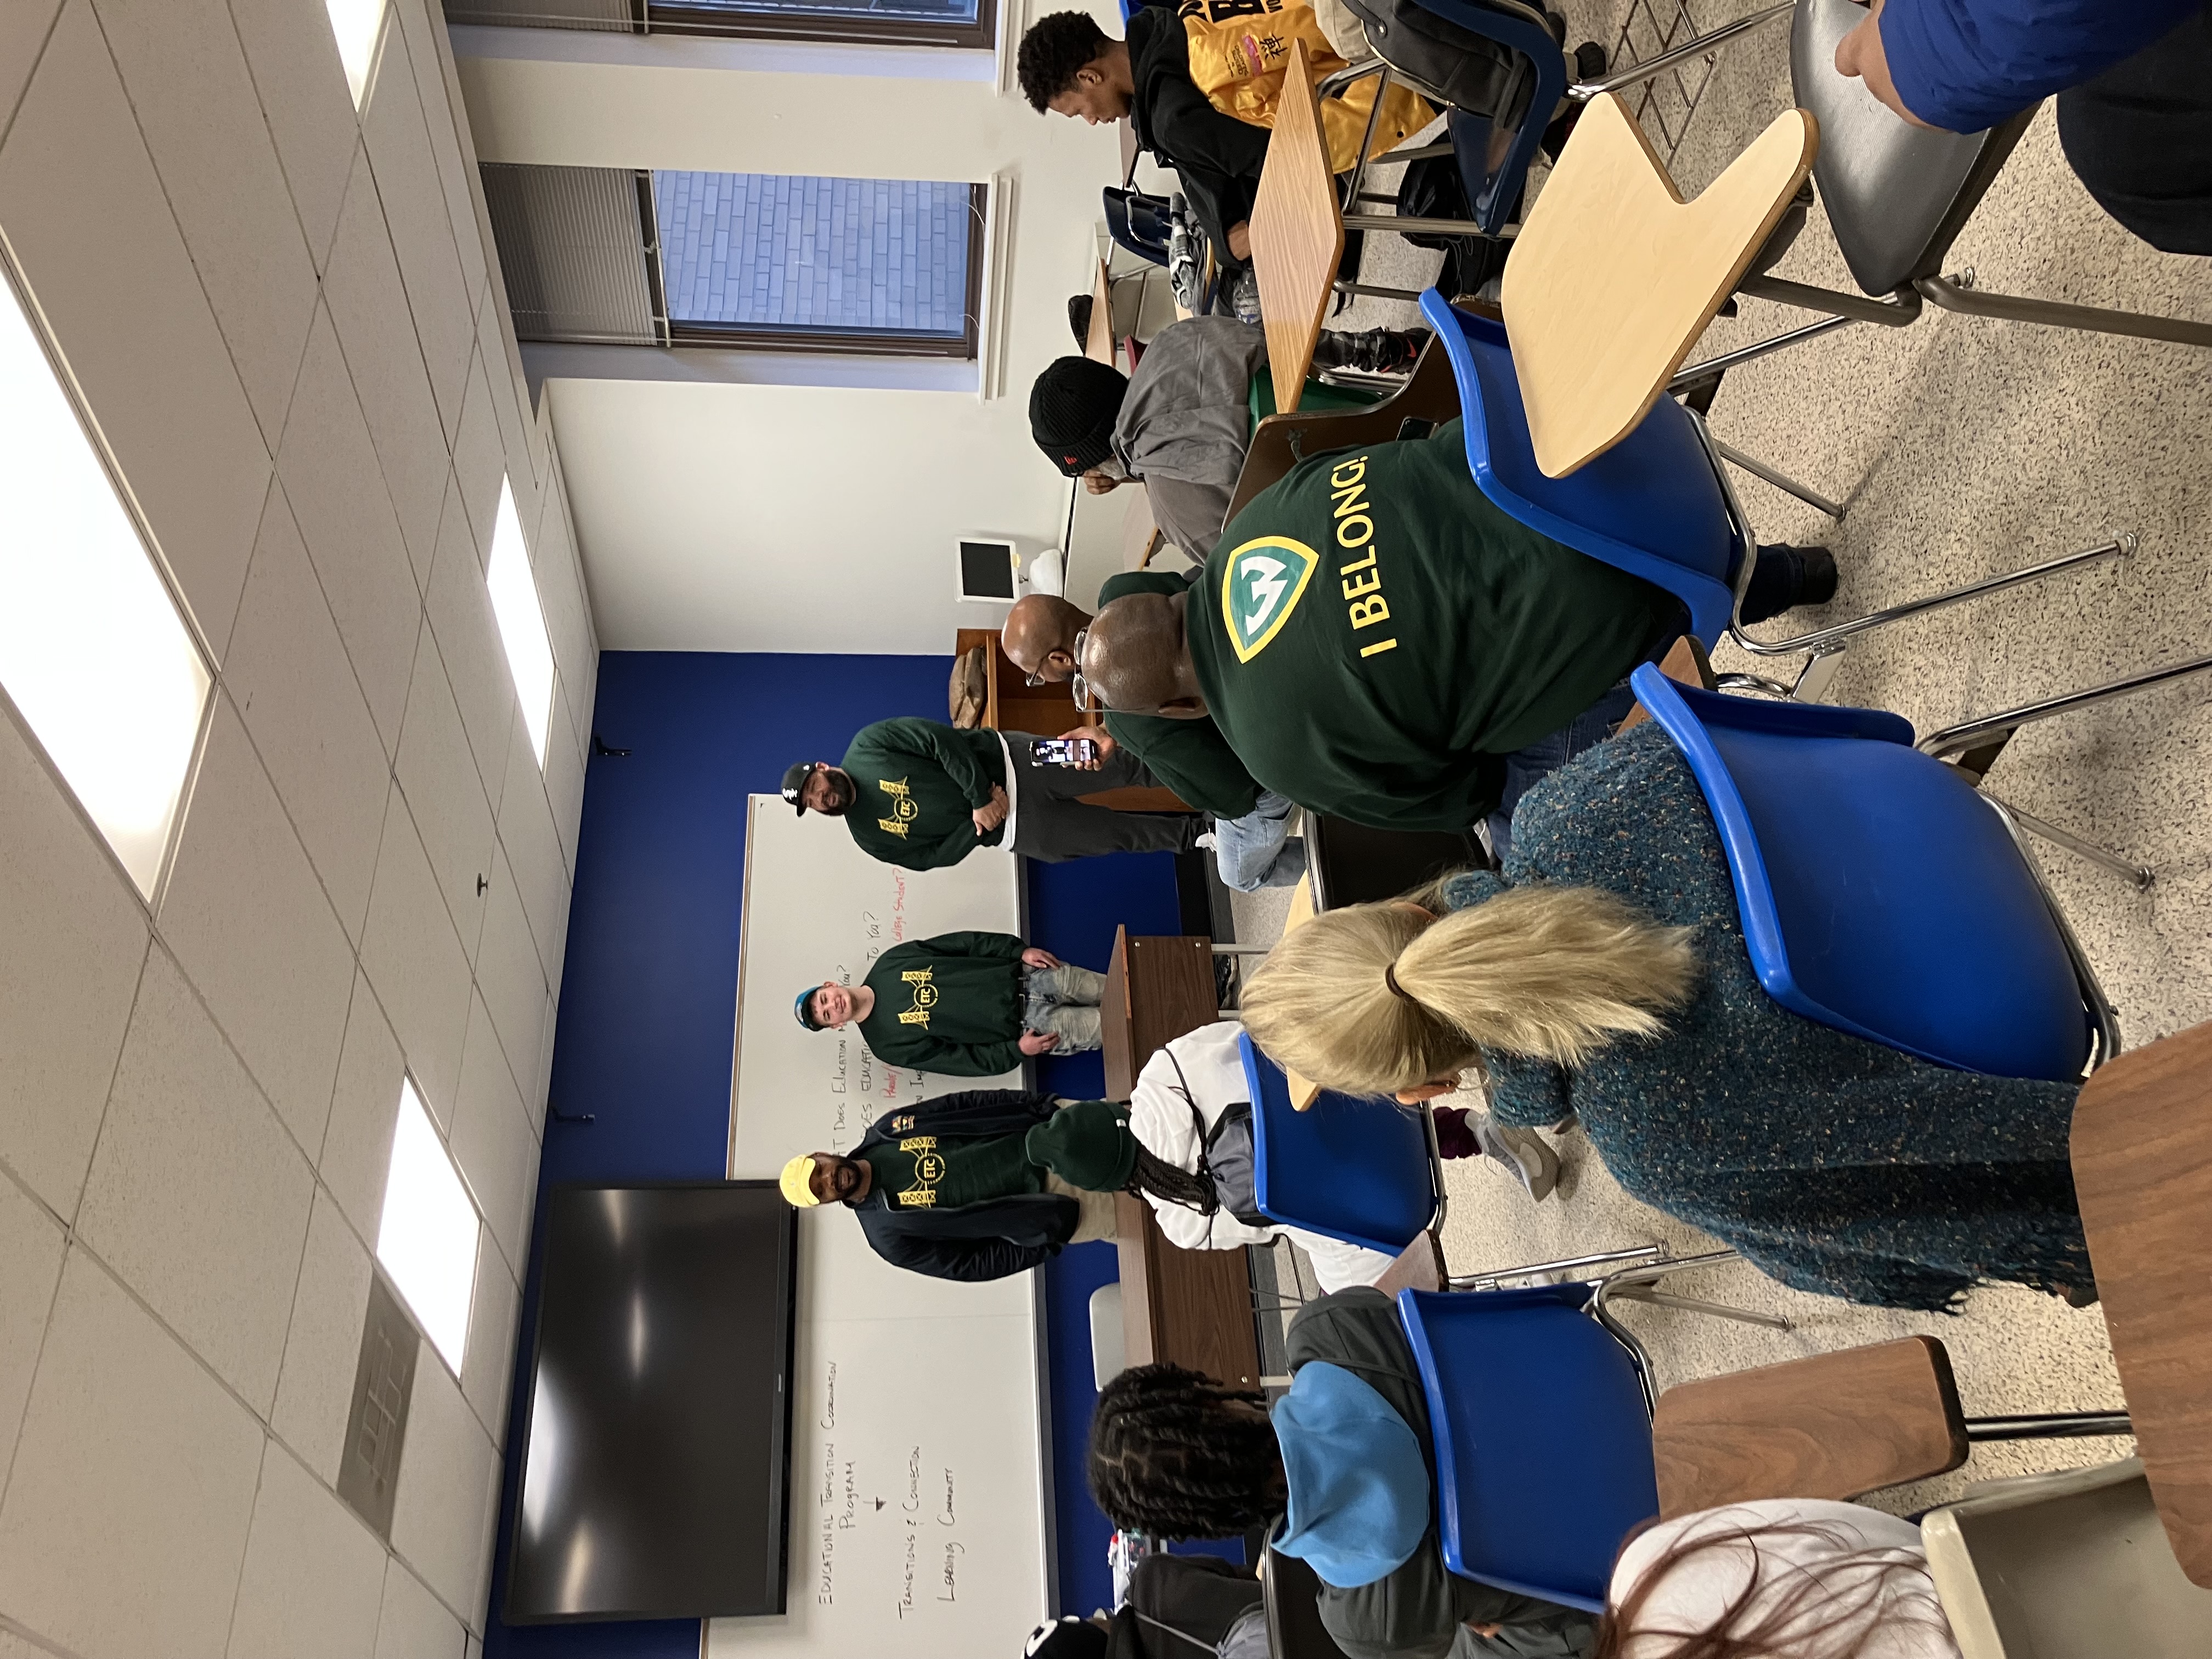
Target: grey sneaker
x,y
1523,1151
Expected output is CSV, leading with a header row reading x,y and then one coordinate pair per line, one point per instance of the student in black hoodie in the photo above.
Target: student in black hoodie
x,y
1069,66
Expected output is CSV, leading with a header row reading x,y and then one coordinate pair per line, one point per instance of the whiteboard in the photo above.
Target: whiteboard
x,y
918,1524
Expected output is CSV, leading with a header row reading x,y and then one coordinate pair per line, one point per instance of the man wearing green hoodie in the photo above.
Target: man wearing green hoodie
x,y
921,794
966,1004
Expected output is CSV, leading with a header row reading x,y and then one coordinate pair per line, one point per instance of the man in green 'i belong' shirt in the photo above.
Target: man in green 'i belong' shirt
x,y
1251,834
1378,641
967,1005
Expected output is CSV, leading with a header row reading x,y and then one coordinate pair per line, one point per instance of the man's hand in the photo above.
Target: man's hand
x,y
1486,1630
1860,55
1090,734
1240,240
1039,1043
1099,483
1037,957
989,817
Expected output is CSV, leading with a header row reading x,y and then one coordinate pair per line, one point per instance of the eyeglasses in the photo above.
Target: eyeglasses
x,y
1081,690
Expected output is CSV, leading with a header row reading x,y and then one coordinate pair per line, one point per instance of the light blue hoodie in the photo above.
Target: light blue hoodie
x,y
1359,1492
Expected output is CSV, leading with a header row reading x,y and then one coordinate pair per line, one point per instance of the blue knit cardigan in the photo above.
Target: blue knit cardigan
x,y
1835,1164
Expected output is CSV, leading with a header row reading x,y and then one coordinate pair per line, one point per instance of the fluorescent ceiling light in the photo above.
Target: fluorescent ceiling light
x,y
92,649
355,23
427,1239
515,602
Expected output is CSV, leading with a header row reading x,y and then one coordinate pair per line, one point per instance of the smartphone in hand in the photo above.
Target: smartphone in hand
x,y
1064,751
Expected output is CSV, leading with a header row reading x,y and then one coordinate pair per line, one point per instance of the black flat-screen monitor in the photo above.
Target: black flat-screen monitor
x,y
656,1449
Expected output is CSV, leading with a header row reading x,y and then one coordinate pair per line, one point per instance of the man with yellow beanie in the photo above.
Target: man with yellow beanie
x,y
985,1183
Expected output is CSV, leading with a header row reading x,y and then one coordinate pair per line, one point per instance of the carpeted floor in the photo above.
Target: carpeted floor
x,y
1961,448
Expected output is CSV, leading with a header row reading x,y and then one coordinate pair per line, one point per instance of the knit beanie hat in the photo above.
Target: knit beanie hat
x,y
1073,408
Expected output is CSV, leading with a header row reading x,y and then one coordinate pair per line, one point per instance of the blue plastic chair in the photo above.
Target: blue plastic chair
x,y
1656,505
1353,1170
1540,1514
1879,893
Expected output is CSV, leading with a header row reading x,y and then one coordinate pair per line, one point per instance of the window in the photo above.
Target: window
x,y
820,264
610,256
521,618
94,653
969,23
427,1237
356,23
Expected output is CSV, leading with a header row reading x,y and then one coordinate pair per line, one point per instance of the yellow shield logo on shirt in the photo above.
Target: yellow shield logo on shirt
x,y
1261,584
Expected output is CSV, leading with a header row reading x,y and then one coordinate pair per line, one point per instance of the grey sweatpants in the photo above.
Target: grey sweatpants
x,y
1064,1000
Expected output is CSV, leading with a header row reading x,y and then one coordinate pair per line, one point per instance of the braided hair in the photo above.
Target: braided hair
x,y
1171,1184
1171,1457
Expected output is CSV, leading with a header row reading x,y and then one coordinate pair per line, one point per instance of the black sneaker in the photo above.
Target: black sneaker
x,y
1589,61
1816,581
1375,351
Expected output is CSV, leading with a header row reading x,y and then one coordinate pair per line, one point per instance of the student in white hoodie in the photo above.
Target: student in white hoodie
x,y
1207,1062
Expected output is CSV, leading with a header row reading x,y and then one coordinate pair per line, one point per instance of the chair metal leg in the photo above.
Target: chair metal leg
x,y
2049,1425
1639,1283
1958,293
1491,1280
1974,745
1832,639
1726,360
1692,1304
1401,222
1372,291
1637,74
2140,874
1781,480
1647,1380
1755,683
1898,312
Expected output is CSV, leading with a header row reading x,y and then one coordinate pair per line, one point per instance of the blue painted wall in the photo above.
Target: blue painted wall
x,y
648,1000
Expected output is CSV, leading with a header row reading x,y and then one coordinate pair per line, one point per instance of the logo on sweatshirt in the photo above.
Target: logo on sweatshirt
x,y
922,988
903,810
1261,584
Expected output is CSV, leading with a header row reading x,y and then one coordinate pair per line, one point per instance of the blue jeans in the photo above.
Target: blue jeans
x,y
1252,852
1524,767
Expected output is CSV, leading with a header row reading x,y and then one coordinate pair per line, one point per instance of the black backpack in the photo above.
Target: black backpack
x,y
1466,71
1432,188
1224,1155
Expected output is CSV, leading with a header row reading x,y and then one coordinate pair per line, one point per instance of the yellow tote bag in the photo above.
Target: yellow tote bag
x,y
1240,49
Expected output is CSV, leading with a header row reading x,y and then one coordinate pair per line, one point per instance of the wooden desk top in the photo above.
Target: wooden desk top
x,y
1098,344
1157,989
1298,232
1190,1307
2142,1171
1613,276
1832,1425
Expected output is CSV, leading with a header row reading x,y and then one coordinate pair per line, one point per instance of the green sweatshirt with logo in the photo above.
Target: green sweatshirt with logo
x,y
1372,634
919,780
952,1004
1189,756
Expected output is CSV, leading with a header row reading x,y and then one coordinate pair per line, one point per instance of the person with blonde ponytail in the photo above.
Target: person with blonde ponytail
x,y
1603,973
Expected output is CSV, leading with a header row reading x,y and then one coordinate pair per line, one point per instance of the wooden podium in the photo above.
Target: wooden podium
x,y
1189,1307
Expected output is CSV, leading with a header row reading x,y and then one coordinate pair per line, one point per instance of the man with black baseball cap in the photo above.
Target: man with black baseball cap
x,y
921,794
1181,424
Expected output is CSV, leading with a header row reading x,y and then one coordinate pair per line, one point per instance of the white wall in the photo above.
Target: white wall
x,y
748,517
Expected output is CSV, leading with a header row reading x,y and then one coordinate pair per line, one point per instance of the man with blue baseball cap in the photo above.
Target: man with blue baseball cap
x,y
967,1005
